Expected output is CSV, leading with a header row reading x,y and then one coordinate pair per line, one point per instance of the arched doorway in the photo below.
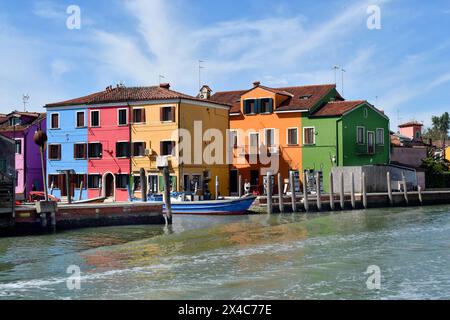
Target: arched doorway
x,y
109,185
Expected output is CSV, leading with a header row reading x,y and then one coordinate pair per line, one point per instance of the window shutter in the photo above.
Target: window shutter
x,y
161,148
59,152
143,116
161,184
173,114
246,106
75,151
161,114
257,106
270,106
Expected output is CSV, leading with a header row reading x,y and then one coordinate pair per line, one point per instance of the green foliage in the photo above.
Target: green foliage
x,y
437,173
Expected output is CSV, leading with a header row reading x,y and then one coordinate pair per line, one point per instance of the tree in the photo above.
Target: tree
x,y
442,125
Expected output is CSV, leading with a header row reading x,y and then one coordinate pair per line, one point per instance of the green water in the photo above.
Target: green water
x,y
256,257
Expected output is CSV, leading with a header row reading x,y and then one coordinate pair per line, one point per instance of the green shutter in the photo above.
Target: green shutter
x,y
257,106
270,106
173,183
161,184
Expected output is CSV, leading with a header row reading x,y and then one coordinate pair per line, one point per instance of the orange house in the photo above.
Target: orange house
x,y
266,129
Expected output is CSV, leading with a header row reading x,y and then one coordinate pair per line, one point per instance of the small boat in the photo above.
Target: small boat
x,y
214,207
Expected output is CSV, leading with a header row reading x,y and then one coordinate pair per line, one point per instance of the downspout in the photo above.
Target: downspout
x,y
130,153
180,165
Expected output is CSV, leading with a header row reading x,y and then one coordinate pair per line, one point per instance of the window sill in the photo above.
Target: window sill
x,y
122,125
95,127
55,128
84,127
94,158
80,158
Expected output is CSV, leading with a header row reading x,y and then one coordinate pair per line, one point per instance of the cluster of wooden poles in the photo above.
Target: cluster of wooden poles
x,y
308,202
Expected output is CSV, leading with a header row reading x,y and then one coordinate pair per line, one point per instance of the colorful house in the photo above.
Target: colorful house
x,y
308,128
106,138
270,118
412,130
21,127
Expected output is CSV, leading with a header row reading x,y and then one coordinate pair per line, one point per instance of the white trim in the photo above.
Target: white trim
x,y
364,135
314,136
76,119
59,121
265,136
287,136
90,119
250,140
366,104
235,114
291,111
127,117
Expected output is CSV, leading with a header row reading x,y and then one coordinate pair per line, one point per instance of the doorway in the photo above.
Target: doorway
x,y
109,185
234,177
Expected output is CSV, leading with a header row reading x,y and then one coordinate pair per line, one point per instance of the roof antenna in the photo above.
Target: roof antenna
x,y
200,67
343,73
25,99
160,77
335,68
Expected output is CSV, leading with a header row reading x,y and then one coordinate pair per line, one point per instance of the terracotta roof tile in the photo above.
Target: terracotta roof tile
x,y
337,108
410,124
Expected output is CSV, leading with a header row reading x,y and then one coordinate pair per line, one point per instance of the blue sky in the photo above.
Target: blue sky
x,y
406,64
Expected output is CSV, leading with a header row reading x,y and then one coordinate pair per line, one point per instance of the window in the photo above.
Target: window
x,y
54,121
292,136
95,150
250,106
14,121
79,179
18,146
266,106
79,151
167,148
94,181
95,118
254,178
270,137
309,136
153,184
370,142
80,119
254,143
168,114
233,134
380,136
122,149
54,152
122,181
122,117
136,183
197,182
53,181
139,115
139,149
360,133
418,135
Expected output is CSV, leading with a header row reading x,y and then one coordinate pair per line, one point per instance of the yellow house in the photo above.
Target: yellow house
x,y
447,154
159,123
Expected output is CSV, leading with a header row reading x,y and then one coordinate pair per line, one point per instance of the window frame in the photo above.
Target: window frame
x,y
76,120
287,136
18,142
129,150
85,150
172,154
235,145
56,185
265,137
59,153
132,149
51,121
358,142
374,142
99,181
314,136
126,117
142,109
89,153
253,110
382,136
90,120
118,180
171,119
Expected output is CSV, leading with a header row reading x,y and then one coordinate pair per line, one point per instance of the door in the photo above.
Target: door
x,y
109,185
370,142
234,182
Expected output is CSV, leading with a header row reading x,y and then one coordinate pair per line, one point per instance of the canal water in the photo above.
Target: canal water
x,y
315,256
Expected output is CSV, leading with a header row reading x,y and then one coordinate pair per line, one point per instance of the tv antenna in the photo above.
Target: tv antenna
x,y
200,67
335,68
25,99
343,73
160,78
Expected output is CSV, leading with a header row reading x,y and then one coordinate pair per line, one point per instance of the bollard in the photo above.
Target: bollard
x,y
167,201
280,194
342,196
217,188
143,185
331,192
240,186
389,187
269,193
363,186
305,192
419,191
318,192
405,188
293,195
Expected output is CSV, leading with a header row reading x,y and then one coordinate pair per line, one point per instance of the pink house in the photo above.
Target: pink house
x,y
412,130
21,127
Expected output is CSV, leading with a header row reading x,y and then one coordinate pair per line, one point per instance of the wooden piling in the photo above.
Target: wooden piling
x,y
240,186
353,190
143,185
342,195
217,188
269,193
305,192
389,187
69,192
167,200
419,191
80,196
405,188
280,194
364,190
293,195
331,192
318,192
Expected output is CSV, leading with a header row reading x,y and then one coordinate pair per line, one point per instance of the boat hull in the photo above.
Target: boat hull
x,y
224,207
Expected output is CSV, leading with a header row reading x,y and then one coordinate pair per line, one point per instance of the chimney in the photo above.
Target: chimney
x,y
165,86
205,92
256,84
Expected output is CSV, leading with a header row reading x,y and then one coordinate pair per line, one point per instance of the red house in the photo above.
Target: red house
x,y
108,151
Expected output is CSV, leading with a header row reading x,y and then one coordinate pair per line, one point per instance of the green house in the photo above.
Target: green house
x,y
344,133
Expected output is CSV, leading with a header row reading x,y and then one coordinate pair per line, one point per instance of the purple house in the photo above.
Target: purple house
x,y
21,127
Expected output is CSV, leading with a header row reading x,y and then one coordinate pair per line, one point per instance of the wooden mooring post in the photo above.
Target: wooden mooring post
x,y
80,196
405,188
280,194
167,201
353,200
217,188
293,195
240,186
342,194
318,192
269,193
331,192
389,188
143,185
364,190
419,191
305,191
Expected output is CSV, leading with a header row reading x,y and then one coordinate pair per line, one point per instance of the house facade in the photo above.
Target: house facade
x,y
21,127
